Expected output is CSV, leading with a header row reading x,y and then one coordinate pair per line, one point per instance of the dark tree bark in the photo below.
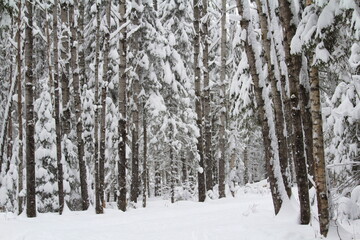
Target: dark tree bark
x,y
122,109
294,66
206,101
98,206
198,110
222,159
145,170
30,120
19,106
78,107
57,109
65,70
105,79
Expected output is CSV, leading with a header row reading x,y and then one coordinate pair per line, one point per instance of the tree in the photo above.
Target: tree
x,y
30,118
60,176
198,108
19,106
294,63
279,117
275,181
122,107
78,108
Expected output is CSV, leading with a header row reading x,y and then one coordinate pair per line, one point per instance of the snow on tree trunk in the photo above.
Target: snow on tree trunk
x,y
294,62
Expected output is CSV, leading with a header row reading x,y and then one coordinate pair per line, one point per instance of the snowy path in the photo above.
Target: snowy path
x,y
246,217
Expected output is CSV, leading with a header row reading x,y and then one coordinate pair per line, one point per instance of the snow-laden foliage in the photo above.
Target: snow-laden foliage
x,y
45,154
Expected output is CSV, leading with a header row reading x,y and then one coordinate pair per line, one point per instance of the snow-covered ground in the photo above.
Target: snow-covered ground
x,y
247,216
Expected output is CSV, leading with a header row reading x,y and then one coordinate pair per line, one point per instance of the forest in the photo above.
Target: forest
x,y
112,103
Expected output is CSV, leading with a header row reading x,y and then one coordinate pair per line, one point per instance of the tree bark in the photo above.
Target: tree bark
x,y
223,103
65,70
19,105
198,110
318,153
279,116
105,79
206,99
269,155
98,206
294,65
122,108
145,171
78,107
135,143
57,109
30,120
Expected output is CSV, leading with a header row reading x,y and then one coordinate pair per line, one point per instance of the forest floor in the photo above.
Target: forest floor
x,y
248,216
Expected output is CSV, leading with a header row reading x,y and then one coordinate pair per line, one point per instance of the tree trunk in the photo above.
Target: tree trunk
x,y
122,109
157,180
65,70
135,143
78,107
105,79
206,100
294,65
198,110
57,109
307,128
246,166
145,171
223,103
279,116
19,105
269,156
30,118
98,206
318,153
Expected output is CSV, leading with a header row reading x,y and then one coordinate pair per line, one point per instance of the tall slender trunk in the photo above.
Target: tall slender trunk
x,y
9,123
80,32
294,65
65,70
172,171
307,128
105,79
198,110
78,107
98,206
49,51
222,143
30,118
206,100
122,108
284,95
279,116
135,143
19,105
318,152
269,155
57,109
145,170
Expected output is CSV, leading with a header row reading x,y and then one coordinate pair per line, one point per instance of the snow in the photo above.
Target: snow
x,y
247,216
